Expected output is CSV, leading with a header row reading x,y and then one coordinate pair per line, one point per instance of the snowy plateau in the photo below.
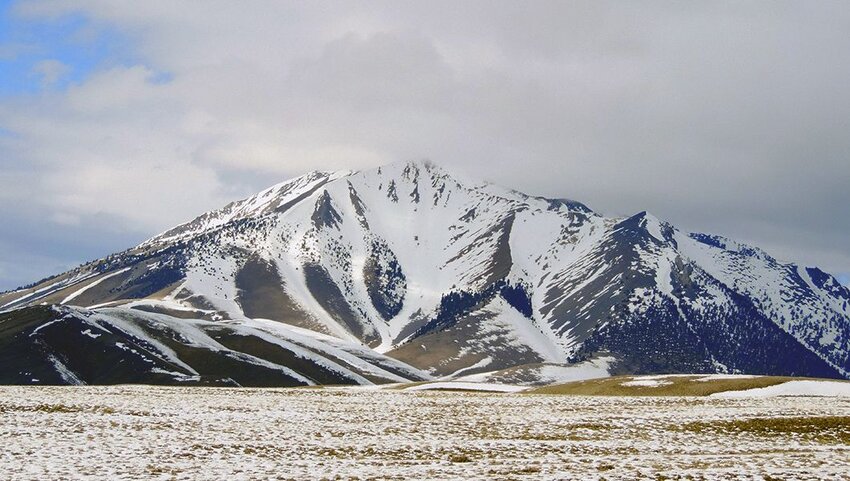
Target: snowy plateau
x,y
172,433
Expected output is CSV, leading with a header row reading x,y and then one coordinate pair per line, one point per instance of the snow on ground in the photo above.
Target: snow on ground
x,y
543,374
466,386
89,286
480,364
643,382
794,388
592,369
148,432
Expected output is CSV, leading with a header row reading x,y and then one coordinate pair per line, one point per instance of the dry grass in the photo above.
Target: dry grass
x,y
460,458
678,386
825,429
55,409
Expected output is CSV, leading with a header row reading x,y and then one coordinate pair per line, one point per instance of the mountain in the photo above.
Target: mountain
x,y
409,272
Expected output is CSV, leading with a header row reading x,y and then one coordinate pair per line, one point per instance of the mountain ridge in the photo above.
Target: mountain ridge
x,y
452,275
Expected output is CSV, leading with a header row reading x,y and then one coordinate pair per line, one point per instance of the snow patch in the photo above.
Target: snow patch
x,y
644,382
793,388
84,289
466,386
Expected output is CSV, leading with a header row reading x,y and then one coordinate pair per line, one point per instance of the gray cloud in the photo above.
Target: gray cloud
x,y
721,117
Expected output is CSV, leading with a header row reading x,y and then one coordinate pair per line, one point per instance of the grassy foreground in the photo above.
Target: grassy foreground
x,y
141,432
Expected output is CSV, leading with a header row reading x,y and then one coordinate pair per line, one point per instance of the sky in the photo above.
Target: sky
x,y
119,119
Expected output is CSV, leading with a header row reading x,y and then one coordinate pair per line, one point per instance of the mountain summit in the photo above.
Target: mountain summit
x,y
407,272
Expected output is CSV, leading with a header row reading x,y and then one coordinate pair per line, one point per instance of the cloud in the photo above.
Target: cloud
x,y
50,71
36,244
722,117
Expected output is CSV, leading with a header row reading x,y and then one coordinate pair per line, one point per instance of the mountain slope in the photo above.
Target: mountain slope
x,y
458,277
67,345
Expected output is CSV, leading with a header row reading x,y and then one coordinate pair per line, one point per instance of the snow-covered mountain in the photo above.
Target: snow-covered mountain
x,y
438,275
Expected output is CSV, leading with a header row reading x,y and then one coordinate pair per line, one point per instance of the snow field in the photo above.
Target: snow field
x,y
138,432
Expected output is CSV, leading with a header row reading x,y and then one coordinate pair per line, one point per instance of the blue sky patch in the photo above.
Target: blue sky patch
x,y
69,47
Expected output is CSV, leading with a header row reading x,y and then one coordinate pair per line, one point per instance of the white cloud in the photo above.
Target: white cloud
x,y
725,117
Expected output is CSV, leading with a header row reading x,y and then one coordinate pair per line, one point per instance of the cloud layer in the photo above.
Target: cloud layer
x,y
722,117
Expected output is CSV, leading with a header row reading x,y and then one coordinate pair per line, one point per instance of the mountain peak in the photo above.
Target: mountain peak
x,y
409,167
426,164
452,276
